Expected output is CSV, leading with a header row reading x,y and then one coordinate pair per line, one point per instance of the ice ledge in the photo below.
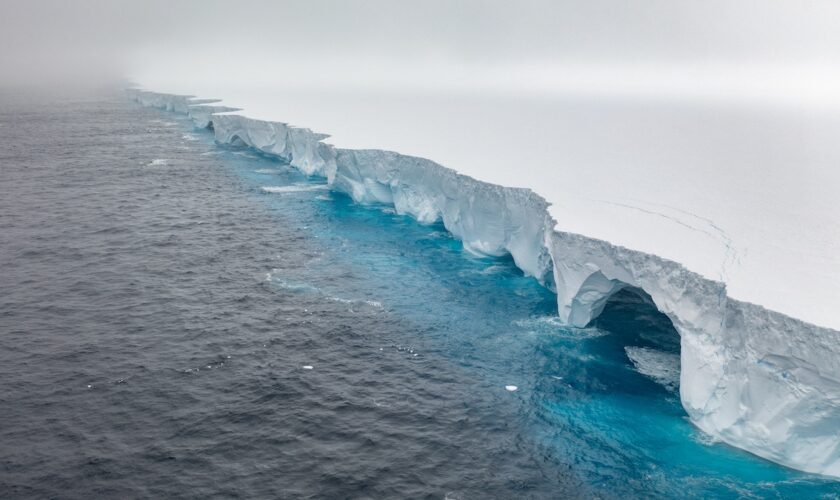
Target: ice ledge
x,y
754,378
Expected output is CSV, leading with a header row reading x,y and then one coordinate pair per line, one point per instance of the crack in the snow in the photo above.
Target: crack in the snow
x,y
717,233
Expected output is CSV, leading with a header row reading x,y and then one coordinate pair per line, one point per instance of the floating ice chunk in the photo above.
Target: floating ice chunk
x,y
511,388
307,367
662,367
158,162
295,188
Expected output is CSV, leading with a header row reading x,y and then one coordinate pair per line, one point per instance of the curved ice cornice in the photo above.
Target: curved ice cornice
x,y
754,378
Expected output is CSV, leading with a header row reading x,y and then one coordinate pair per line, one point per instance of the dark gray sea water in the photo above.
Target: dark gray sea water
x,y
183,319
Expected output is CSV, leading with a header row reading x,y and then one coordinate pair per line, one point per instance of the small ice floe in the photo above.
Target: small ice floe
x,y
662,367
189,137
307,367
158,162
294,188
511,388
89,386
267,171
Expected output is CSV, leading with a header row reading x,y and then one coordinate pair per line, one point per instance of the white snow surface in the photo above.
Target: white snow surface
x,y
745,195
726,216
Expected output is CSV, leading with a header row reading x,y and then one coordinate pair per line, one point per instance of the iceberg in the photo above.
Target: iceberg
x,y
750,376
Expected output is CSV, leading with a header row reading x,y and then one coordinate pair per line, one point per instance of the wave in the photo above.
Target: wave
x,y
552,325
301,287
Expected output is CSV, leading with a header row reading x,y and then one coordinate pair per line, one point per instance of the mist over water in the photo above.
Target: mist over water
x,y
783,51
185,319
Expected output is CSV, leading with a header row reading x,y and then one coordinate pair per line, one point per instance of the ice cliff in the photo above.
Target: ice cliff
x,y
751,377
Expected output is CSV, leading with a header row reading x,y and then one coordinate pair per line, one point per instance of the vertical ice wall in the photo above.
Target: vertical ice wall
x,y
754,378
201,113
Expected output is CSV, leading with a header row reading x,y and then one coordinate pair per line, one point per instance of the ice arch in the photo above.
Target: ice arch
x,y
750,377
587,272
754,378
590,299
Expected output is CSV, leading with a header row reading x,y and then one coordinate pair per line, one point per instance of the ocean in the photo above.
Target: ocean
x,y
184,319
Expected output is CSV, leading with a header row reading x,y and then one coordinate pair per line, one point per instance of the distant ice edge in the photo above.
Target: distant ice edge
x,y
751,377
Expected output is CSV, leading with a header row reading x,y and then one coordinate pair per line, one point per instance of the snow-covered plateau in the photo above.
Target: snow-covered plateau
x,y
740,250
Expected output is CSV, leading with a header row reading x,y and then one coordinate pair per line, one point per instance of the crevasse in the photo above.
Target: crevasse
x,y
754,378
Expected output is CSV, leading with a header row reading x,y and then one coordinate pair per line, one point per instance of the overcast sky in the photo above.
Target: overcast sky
x,y
395,42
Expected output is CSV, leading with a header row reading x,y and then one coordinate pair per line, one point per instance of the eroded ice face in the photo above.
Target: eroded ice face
x,y
731,350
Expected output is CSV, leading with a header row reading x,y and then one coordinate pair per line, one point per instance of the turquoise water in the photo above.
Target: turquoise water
x,y
583,403
171,329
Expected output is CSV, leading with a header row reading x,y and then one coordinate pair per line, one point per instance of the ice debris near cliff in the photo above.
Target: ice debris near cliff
x,y
754,378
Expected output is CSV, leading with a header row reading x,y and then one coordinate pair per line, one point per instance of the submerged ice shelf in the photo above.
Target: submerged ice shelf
x,y
752,377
